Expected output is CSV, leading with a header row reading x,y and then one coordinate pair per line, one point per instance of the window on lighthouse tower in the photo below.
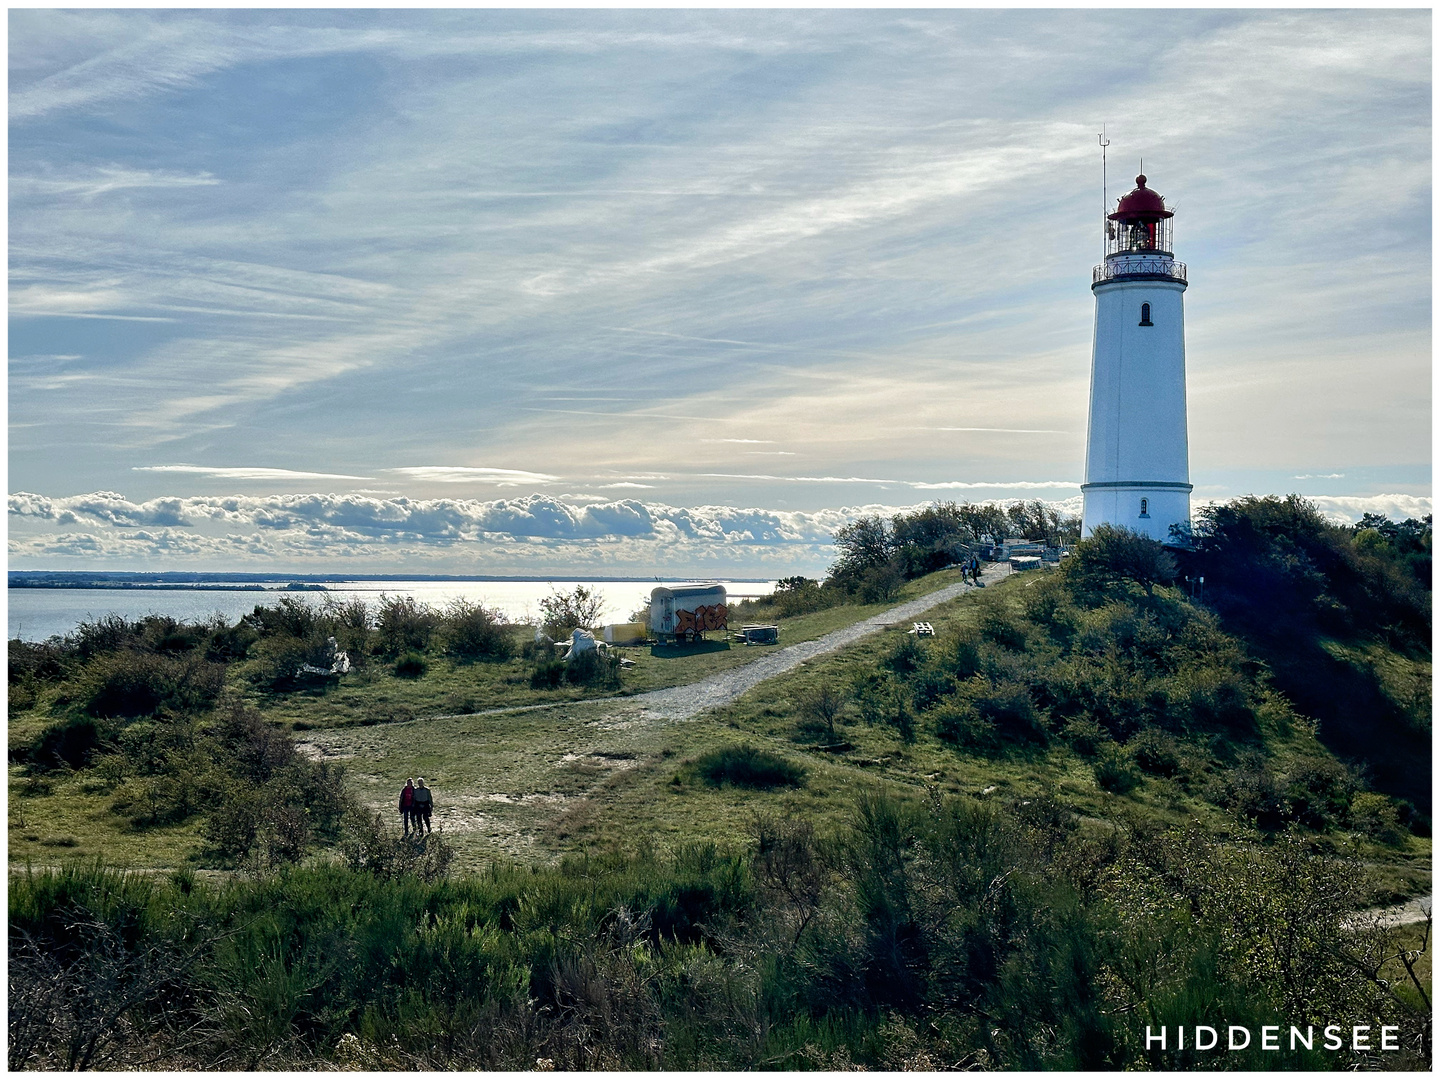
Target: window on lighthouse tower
x,y
1145,315
1144,507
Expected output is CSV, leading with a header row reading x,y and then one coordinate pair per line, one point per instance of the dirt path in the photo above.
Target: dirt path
x,y
684,702
1412,911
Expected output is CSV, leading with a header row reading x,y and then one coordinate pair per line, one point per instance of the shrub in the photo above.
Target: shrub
x,y
1375,816
593,668
131,683
473,632
959,723
745,766
411,665
71,742
929,685
907,655
999,625
281,659
1156,752
547,674
367,844
1111,556
1252,790
1319,791
1010,709
881,583
1085,736
819,708
404,624
291,616
578,609
1114,771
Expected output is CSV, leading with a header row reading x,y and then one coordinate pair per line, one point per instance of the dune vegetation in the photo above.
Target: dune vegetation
x,y
1093,802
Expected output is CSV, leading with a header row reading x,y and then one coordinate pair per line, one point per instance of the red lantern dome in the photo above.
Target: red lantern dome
x,y
1142,204
1140,223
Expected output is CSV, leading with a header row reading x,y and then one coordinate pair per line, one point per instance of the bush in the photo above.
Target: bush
x,y
131,683
71,742
473,632
745,766
593,668
411,665
1156,752
907,655
1252,790
367,844
1111,556
578,609
547,674
819,708
1009,708
1085,736
1319,791
405,625
1375,816
281,659
1114,771
959,723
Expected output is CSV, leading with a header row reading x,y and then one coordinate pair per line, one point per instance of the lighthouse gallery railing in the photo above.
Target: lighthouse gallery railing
x,y
1132,266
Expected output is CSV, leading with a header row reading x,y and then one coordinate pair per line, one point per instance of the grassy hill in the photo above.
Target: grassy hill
x,y
1090,804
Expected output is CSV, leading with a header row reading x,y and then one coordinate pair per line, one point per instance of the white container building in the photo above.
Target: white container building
x,y
686,612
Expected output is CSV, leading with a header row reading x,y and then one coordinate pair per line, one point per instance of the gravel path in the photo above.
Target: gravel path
x,y
1412,911
684,702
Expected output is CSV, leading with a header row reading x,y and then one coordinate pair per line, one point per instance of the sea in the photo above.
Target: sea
x,y
36,614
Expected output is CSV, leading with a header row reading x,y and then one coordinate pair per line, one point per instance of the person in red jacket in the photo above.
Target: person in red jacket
x,y
407,804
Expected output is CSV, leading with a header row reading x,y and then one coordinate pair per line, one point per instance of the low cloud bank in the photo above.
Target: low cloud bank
x,y
534,534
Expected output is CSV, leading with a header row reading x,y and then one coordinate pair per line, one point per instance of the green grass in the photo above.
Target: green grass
x,y
375,695
585,775
744,766
63,816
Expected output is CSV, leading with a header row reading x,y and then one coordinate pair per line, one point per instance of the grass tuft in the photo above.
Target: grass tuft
x,y
745,766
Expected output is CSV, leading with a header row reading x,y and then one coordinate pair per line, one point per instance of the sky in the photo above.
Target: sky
x,y
680,291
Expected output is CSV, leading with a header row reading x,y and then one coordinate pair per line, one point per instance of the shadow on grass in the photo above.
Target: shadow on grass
x,y
699,648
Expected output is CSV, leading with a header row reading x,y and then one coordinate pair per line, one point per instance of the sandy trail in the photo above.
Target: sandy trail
x,y
684,702
1412,911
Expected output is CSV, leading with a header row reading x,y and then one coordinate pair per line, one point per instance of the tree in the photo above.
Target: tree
x,y
578,609
474,632
1112,556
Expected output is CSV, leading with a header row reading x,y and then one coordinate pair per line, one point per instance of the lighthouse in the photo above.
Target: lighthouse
x,y
1137,458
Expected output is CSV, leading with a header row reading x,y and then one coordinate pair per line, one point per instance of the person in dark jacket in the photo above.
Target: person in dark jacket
x,y
407,804
423,803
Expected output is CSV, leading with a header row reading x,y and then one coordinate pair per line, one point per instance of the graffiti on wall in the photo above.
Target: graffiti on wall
x,y
713,617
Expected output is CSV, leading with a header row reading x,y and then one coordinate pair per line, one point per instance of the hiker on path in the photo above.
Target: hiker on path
x,y
423,804
407,804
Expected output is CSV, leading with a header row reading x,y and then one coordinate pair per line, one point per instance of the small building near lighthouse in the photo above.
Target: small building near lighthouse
x,y
1137,459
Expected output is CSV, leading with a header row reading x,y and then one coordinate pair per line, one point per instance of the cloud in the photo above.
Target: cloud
x,y
246,473
796,227
1320,476
1351,508
918,485
1008,430
960,485
464,474
105,179
532,534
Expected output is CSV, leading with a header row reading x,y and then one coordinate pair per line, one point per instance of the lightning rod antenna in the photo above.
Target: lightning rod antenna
x,y
1104,187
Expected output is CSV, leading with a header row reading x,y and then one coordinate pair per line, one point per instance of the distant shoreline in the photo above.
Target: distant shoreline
x,y
219,582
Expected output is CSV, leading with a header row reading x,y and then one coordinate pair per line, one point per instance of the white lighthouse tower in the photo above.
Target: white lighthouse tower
x,y
1137,460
